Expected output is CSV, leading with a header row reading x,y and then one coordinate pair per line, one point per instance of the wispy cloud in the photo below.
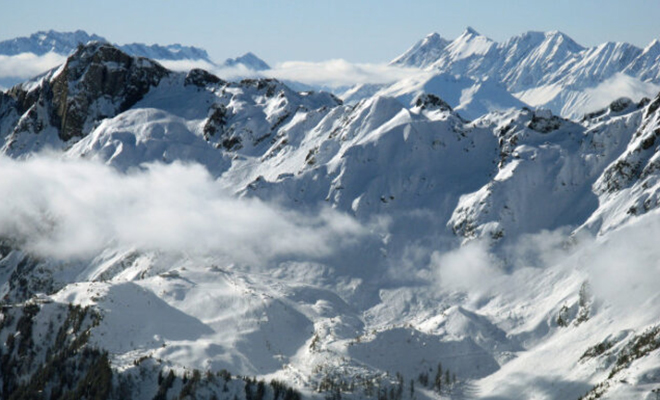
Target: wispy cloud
x,y
335,73
186,65
73,209
471,268
624,266
28,65
331,73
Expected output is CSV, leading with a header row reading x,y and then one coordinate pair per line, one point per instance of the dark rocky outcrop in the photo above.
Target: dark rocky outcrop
x,y
97,72
202,78
96,82
431,102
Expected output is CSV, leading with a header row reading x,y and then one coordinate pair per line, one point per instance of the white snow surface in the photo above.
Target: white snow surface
x,y
355,240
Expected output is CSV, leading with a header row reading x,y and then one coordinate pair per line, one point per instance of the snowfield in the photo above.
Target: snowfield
x,y
347,250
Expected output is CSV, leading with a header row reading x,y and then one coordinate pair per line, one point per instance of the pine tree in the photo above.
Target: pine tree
x,y
438,378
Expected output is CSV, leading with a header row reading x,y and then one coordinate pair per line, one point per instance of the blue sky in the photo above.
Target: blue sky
x,y
311,30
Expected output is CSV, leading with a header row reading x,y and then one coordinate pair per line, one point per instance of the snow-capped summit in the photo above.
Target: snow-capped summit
x,y
441,53
653,48
423,53
646,64
168,52
549,69
248,60
97,81
469,43
43,42
558,38
597,64
538,60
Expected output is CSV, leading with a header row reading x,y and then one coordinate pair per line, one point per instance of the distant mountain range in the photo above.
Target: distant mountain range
x,y
535,69
544,69
65,43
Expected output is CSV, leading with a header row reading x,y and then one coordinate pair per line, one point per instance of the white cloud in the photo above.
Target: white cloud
x,y
186,65
619,85
541,249
468,268
335,73
234,73
624,267
28,65
331,73
72,209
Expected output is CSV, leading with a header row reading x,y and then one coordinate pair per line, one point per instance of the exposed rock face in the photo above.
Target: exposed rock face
x,y
431,101
201,78
639,161
96,74
96,82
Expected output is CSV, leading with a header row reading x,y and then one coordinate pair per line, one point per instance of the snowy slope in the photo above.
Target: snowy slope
x,y
469,97
422,53
344,249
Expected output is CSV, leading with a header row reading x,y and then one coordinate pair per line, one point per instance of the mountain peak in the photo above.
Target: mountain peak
x,y
470,31
99,70
653,46
558,35
434,39
470,35
169,52
65,43
557,39
470,43
43,42
248,60
423,53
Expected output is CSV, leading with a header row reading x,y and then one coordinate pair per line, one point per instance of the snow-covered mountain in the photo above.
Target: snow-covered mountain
x,y
467,96
423,53
43,42
157,221
545,69
248,60
65,43
168,52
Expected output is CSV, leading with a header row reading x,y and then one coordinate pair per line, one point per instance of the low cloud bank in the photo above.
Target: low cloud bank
x,y
75,209
622,267
331,73
335,73
27,65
